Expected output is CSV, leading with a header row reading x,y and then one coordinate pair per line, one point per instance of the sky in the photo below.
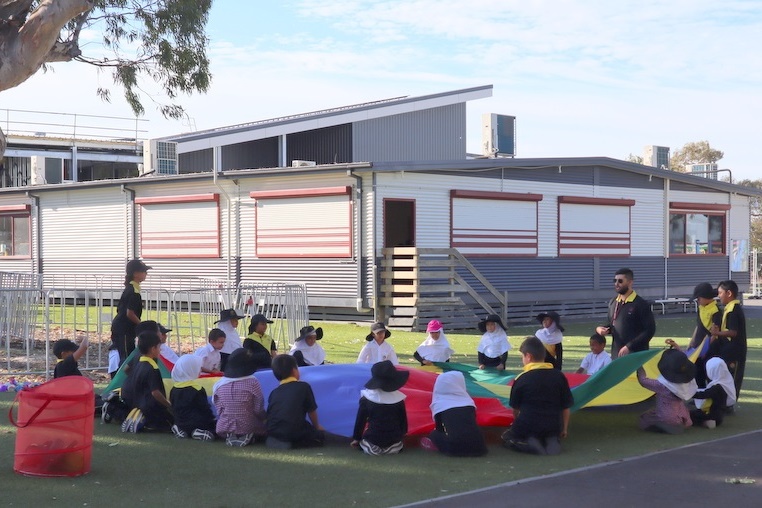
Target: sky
x,y
583,78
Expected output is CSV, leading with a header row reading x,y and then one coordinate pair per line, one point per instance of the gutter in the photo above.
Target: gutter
x,y
215,171
133,244
361,304
38,240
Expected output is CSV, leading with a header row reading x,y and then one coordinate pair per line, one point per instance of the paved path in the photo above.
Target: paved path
x,y
692,476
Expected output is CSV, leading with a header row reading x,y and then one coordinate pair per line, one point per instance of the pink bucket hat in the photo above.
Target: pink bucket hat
x,y
434,326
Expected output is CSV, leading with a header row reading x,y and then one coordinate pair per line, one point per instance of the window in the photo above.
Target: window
x,y
593,226
294,223
695,231
14,231
180,226
494,223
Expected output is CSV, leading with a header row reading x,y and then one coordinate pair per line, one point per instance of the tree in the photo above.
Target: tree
x,y
696,152
162,40
637,159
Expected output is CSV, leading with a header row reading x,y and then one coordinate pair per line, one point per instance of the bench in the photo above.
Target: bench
x,y
685,303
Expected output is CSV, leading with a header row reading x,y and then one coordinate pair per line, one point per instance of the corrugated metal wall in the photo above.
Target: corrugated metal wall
x,y
431,134
324,146
687,271
195,162
84,231
261,153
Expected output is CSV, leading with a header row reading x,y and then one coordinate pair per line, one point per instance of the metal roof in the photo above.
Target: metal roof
x,y
324,118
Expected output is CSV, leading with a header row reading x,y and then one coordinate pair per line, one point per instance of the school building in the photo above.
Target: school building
x,y
378,209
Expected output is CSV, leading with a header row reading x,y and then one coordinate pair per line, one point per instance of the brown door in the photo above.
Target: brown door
x,y
399,223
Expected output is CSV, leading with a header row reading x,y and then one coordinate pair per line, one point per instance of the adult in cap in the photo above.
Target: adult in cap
x,y
306,350
377,349
631,322
552,336
129,311
494,346
228,323
259,342
707,315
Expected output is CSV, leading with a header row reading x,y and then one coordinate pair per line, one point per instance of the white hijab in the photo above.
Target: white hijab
x,y
494,344
449,392
187,368
550,335
435,350
232,337
313,355
718,372
683,391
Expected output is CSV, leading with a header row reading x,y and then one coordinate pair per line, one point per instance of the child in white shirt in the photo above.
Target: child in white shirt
x,y
597,358
210,353
377,349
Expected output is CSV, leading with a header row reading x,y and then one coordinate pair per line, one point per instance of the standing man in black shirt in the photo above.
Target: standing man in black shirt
x,y
631,323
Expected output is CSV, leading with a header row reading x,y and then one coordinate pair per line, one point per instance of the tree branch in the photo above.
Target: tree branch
x,y
11,9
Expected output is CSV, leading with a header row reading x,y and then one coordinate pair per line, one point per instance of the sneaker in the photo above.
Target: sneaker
x,y
428,444
178,432
127,423
138,422
105,416
238,439
709,424
202,435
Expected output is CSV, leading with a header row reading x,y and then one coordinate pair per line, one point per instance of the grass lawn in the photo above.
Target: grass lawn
x,y
154,470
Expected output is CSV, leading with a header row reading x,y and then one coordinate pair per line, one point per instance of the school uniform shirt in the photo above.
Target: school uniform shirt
x,y
670,408
592,363
307,355
190,407
540,393
373,352
168,353
381,418
210,357
232,338
143,379
262,346
66,367
287,408
632,323
706,316
240,406
734,319
122,329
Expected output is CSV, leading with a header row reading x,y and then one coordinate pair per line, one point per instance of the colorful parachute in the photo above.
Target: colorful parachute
x,y
337,389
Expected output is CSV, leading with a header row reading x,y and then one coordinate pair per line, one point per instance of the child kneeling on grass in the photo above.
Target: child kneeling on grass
x,y
714,400
239,401
381,421
143,390
287,406
541,402
674,386
193,416
454,412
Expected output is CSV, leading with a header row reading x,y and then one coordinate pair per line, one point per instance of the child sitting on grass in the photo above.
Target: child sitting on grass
x,y
541,402
597,358
454,412
67,355
144,389
287,406
674,386
381,420
377,349
494,346
239,401
210,353
435,348
190,405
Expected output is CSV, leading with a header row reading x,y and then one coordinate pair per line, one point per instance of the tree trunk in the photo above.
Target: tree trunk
x,y
23,50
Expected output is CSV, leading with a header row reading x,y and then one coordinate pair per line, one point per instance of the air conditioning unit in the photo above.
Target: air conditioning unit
x,y
498,135
159,157
300,164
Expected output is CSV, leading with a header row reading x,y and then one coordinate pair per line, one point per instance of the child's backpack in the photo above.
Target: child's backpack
x,y
114,407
